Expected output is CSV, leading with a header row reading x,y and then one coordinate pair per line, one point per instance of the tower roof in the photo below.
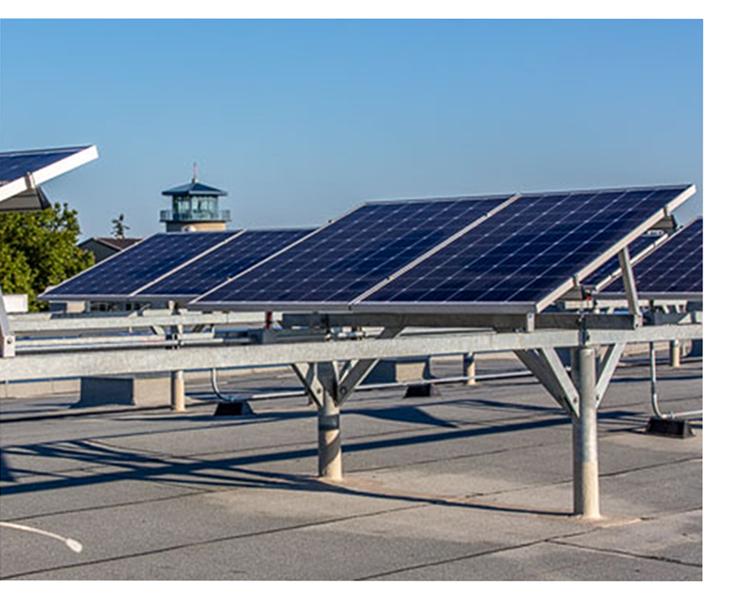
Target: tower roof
x,y
193,188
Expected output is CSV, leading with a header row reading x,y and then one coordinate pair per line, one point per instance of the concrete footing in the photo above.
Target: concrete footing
x,y
233,409
329,443
400,371
177,391
127,390
470,368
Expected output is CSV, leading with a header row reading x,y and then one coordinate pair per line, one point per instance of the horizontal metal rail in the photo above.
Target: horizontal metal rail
x,y
103,362
51,322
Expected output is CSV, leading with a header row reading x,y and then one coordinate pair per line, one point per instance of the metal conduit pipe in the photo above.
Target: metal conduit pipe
x,y
655,396
219,394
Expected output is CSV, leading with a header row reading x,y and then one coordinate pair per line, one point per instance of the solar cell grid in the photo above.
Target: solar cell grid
x,y
131,269
674,267
223,262
528,250
14,165
345,259
635,248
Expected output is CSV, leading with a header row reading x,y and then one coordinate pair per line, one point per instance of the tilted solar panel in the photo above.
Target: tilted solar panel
x,y
674,269
498,253
125,272
23,171
221,263
530,252
636,248
339,262
17,164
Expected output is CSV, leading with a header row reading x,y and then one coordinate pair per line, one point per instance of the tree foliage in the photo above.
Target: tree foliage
x,y
38,249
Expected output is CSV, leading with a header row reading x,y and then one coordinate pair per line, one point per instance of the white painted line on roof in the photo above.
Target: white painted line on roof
x,y
74,545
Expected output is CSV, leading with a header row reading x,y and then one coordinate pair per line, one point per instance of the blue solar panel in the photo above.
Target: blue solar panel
x,y
131,269
529,250
14,165
341,261
675,267
635,248
223,262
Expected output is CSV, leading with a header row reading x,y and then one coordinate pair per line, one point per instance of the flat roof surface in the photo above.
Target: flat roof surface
x,y
472,484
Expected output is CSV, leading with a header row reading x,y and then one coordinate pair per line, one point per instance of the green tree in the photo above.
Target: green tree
x,y
38,249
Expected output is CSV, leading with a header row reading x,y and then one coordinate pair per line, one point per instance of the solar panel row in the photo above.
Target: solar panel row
x,y
175,266
126,272
520,257
674,268
480,253
221,263
348,257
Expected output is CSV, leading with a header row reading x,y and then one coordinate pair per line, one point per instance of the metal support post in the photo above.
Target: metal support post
x,y
178,391
585,452
470,368
675,348
177,399
7,339
652,380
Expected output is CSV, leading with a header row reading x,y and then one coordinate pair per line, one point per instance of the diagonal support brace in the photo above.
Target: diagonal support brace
x,y
628,280
608,365
359,369
547,367
308,375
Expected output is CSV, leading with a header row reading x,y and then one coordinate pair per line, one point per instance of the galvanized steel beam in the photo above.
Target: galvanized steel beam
x,y
105,362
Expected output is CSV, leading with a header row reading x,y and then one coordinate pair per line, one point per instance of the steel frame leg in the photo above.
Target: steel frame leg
x,y
675,353
470,368
585,451
178,391
329,440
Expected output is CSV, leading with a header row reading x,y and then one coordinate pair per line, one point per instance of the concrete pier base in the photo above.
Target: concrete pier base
x,y
178,391
329,442
470,368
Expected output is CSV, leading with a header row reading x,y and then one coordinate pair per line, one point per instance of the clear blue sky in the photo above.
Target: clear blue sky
x,y
300,120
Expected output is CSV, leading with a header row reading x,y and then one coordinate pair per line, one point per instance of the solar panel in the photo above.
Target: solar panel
x,y
22,171
221,263
637,249
339,262
673,269
125,272
17,164
529,253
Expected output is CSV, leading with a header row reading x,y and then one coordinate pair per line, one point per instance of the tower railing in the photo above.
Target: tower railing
x,y
189,216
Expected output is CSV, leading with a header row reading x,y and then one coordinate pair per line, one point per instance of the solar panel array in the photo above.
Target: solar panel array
x,y
489,253
138,265
14,165
388,256
348,257
221,263
636,248
674,268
